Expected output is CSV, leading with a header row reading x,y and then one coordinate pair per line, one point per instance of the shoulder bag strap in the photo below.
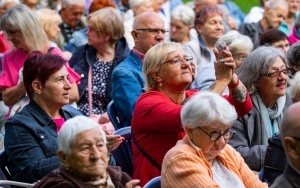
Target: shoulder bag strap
x,y
146,154
89,90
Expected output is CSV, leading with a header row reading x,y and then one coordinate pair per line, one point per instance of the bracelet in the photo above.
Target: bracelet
x,y
231,86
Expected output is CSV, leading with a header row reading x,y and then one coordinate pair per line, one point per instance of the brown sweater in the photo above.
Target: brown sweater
x,y
63,178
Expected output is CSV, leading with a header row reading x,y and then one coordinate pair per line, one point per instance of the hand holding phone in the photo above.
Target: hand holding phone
x,y
221,55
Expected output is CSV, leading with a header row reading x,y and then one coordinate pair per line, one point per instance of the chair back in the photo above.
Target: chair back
x,y
3,166
123,154
5,175
112,114
7,184
153,183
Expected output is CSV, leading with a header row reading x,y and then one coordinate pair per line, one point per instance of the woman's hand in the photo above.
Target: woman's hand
x,y
104,118
224,69
225,64
113,141
133,184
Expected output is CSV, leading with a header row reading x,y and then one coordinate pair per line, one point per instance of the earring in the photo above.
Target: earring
x,y
66,166
160,84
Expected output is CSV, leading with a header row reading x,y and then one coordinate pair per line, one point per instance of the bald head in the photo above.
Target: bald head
x,y
148,30
146,18
290,124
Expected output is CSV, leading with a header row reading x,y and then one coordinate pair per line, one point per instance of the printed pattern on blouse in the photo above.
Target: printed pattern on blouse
x,y
100,74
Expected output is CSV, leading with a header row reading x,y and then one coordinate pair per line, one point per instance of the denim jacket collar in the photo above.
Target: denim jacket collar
x,y
38,113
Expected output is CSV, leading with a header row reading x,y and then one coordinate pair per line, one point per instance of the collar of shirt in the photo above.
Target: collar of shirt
x,y
138,53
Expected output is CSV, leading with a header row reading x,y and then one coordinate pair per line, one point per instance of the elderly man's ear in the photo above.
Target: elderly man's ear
x,y
134,34
292,149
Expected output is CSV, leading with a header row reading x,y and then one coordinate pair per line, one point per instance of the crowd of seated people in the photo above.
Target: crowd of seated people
x,y
153,59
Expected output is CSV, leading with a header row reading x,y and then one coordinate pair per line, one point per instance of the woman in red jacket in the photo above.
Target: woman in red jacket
x,y
156,124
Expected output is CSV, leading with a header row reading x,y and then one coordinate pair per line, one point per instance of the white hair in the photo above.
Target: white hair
x,y
4,2
71,128
274,4
235,41
184,13
205,108
69,3
135,3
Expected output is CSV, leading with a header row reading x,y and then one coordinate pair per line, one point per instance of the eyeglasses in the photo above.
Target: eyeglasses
x,y
153,31
277,73
179,60
242,59
214,136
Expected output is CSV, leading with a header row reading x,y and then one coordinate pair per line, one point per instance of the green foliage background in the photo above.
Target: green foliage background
x,y
245,5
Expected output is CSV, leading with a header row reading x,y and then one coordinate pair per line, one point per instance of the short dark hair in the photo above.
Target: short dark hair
x,y
40,66
271,36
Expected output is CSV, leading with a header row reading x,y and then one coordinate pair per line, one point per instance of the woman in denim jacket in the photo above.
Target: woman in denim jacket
x,y
30,135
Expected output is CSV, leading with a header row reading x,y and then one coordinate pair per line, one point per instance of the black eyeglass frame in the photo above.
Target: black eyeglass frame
x,y
286,71
232,133
153,31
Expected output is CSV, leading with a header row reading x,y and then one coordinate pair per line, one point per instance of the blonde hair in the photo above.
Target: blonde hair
x,y
107,21
47,18
153,60
21,18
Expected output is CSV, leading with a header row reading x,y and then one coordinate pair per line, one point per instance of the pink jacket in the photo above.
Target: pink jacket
x,y
13,60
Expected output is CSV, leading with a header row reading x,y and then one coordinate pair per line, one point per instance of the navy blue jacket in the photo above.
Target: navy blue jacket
x,y
30,143
86,56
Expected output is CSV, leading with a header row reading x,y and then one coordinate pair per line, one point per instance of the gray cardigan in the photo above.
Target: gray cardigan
x,y
248,139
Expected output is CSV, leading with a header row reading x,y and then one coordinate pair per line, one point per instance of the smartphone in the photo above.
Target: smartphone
x,y
221,49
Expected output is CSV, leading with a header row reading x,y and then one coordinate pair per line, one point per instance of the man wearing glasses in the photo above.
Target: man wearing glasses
x,y
127,78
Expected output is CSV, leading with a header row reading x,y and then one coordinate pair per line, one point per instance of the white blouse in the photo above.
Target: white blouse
x,y
224,177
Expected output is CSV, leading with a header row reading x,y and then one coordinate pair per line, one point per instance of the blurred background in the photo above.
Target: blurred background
x,y
245,5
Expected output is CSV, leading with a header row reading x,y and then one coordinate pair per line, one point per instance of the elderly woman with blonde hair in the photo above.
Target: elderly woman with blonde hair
x,y
203,158
96,60
168,72
84,156
50,20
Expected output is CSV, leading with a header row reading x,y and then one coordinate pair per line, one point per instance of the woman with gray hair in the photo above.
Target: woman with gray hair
x,y
84,156
265,74
181,25
156,125
203,158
